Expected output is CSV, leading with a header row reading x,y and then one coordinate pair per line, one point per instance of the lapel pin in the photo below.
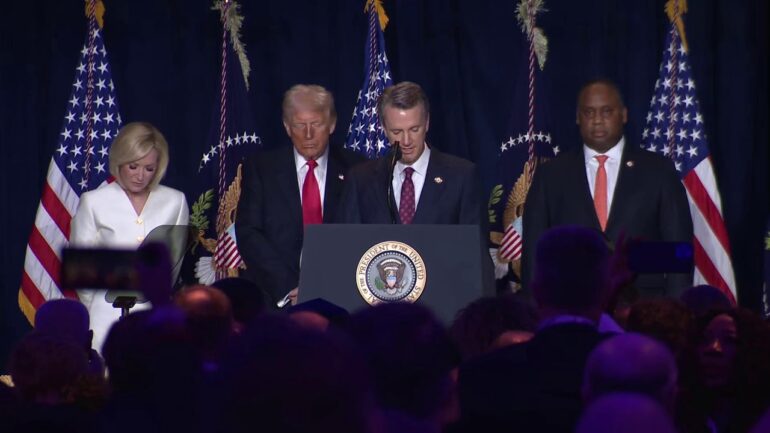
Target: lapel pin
x,y
341,176
629,164
438,180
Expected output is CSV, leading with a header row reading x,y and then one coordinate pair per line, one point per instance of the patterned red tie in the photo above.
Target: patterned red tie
x,y
600,192
407,205
311,196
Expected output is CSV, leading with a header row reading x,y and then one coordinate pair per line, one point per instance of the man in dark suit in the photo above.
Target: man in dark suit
x,y
426,187
535,386
610,185
287,188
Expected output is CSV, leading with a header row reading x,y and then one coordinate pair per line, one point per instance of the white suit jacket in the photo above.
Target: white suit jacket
x,y
106,218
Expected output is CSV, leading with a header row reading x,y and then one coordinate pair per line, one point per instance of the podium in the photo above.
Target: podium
x,y
443,267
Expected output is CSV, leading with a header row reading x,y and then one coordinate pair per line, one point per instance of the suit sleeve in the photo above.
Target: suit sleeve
x,y
675,224
83,231
263,263
183,216
535,222
472,210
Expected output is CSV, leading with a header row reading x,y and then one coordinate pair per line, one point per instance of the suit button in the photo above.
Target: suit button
x,y
140,238
139,221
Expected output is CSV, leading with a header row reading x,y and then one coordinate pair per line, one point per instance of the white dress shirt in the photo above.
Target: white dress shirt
x,y
320,173
418,177
611,166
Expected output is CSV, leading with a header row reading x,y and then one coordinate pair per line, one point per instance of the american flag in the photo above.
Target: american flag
x,y
232,137
526,142
80,163
365,134
675,129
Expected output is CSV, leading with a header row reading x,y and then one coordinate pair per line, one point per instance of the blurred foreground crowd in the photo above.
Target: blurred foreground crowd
x,y
218,360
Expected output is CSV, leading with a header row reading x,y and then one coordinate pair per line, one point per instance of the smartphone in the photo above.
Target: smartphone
x,y
99,268
660,257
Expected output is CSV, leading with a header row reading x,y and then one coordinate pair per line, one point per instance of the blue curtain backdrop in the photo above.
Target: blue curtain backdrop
x,y
164,56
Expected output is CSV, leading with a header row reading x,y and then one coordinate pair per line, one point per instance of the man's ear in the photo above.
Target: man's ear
x,y
427,123
287,128
625,115
333,125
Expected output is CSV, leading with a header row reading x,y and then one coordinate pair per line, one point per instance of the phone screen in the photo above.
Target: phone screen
x,y
99,269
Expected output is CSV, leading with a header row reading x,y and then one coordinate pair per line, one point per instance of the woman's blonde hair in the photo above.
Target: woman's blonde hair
x,y
134,141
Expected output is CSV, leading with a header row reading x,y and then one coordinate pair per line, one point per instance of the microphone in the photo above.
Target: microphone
x,y
395,156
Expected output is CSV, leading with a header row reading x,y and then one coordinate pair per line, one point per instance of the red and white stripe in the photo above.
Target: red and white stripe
x,y
226,254
711,245
40,280
510,246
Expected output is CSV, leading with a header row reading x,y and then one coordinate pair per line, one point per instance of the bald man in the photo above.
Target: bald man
x,y
631,363
610,185
627,413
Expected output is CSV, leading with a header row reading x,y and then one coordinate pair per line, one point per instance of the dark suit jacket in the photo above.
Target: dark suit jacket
x,y
268,224
451,193
528,387
649,203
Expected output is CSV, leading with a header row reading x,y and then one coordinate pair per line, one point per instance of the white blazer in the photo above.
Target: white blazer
x,y
106,218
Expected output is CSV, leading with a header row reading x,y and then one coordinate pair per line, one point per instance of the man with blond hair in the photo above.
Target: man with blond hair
x,y
288,188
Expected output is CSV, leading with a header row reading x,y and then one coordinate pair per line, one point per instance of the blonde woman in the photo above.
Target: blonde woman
x,y
121,214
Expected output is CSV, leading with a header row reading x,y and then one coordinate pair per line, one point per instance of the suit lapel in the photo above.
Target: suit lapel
x,y
286,176
432,190
627,183
335,176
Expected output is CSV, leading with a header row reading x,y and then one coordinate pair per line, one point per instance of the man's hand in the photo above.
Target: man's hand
x,y
293,295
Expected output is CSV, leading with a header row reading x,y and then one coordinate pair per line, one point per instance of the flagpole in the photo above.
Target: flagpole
x,y
91,52
221,226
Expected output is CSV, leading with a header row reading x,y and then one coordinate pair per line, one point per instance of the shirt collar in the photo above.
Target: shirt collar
x,y
615,153
300,161
420,166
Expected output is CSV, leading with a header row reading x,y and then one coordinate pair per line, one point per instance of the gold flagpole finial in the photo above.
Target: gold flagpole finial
x,y
377,4
675,9
98,11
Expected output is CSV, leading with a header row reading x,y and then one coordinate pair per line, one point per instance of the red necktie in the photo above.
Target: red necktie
x,y
407,205
600,192
311,196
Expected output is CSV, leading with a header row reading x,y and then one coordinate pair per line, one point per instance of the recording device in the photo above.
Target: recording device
x,y
128,276
395,155
99,268
660,257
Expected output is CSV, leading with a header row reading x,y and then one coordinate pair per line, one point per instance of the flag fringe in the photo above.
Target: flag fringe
x,y
383,17
98,11
525,15
27,308
675,9
230,12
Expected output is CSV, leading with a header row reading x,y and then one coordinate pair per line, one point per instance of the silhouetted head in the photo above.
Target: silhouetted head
x,y
488,323
46,369
664,319
409,354
246,298
65,318
627,413
571,272
282,378
631,363
704,298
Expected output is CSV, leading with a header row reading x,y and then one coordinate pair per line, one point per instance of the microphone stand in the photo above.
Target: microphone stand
x,y
395,156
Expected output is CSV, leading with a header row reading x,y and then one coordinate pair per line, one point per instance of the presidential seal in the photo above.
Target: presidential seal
x,y
390,272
